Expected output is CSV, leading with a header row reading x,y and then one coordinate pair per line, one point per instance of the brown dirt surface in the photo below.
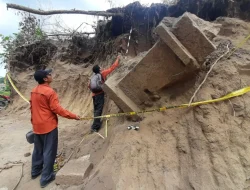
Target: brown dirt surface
x,y
205,147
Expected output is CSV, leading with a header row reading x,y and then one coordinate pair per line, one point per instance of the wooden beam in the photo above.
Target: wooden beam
x,y
53,12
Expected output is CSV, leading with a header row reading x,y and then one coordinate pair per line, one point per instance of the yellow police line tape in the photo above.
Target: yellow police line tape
x,y
18,92
231,95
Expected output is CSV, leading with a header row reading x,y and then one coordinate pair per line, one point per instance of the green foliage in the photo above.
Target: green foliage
x,y
29,32
7,88
39,32
5,93
1,80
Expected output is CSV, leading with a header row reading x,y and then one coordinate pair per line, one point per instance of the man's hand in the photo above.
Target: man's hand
x,y
78,117
119,57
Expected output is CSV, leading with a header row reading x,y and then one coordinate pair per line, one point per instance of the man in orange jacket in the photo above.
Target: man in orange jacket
x,y
98,98
44,106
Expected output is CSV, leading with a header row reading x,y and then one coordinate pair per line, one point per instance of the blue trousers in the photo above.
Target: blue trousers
x,y
44,155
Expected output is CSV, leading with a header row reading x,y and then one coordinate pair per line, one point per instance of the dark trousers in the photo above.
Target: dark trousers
x,y
98,101
44,155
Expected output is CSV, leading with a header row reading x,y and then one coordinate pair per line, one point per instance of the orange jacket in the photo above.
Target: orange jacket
x,y
106,72
44,106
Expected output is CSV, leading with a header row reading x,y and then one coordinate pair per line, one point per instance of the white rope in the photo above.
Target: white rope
x,y
211,68
129,39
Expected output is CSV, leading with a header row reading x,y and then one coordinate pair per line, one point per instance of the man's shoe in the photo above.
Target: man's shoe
x,y
93,131
48,182
35,176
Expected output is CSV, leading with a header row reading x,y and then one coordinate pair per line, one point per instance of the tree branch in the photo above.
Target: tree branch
x,y
70,34
53,12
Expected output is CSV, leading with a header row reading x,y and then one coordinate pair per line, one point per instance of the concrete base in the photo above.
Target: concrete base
x,y
74,172
160,67
182,48
192,38
169,38
117,95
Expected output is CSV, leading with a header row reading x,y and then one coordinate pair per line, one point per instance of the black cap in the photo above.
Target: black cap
x,y
96,69
41,74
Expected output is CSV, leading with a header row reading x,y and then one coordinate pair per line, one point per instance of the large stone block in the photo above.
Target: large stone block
x,y
189,34
169,21
210,29
160,67
75,171
169,38
182,48
117,95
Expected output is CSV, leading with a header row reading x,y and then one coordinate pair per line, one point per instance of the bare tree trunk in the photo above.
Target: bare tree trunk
x,y
88,33
52,12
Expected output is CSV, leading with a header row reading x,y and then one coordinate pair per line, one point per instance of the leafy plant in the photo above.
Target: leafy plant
x,y
29,32
1,80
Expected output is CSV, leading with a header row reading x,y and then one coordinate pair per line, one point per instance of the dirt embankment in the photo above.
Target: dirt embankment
x,y
206,147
